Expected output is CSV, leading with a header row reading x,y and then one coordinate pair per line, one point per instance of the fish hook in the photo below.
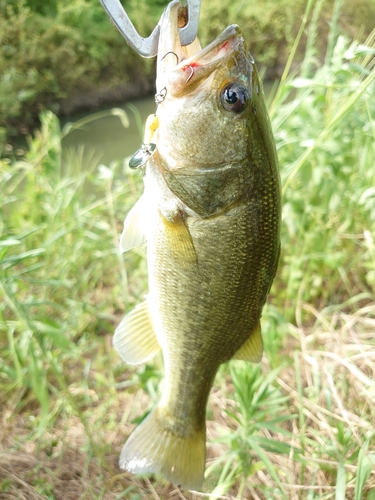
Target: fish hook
x,y
148,47
191,74
170,52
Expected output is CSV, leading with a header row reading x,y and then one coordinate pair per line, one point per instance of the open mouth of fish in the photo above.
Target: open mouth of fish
x,y
182,68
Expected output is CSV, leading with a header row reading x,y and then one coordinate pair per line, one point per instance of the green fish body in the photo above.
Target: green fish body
x,y
210,214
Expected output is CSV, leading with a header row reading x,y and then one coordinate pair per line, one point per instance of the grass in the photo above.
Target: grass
x,y
298,426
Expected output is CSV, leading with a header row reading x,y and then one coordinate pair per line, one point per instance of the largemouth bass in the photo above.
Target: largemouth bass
x,y
210,213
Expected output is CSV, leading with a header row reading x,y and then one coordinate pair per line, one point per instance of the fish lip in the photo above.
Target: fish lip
x,y
191,57
191,73
232,32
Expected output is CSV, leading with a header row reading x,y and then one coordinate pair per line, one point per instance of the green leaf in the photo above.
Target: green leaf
x,y
269,466
366,464
22,256
57,335
371,494
9,242
340,482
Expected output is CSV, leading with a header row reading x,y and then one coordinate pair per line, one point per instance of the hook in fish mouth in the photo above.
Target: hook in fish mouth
x,y
201,64
171,52
191,74
148,47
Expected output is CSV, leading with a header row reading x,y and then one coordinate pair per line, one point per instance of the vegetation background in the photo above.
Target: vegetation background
x,y
298,426
65,56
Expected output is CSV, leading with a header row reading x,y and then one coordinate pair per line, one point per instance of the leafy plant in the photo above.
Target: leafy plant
x,y
63,56
44,275
325,144
298,426
258,410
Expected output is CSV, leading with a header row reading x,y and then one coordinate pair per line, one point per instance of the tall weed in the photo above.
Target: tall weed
x,y
302,429
61,279
325,139
64,55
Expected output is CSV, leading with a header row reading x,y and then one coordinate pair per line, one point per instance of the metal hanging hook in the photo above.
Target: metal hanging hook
x,y
148,47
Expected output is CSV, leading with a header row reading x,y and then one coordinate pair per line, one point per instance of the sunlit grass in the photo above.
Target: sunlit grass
x,y
301,424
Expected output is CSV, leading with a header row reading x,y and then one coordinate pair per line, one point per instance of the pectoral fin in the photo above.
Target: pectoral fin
x,y
134,232
252,349
181,242
134,338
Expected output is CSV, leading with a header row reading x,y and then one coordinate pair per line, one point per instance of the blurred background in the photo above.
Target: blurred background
x,y
73,101
66,57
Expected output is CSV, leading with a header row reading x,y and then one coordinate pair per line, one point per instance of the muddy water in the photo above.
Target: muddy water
x,y
107,135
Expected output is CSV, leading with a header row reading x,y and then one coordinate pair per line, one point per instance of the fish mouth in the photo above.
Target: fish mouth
x,y
223,45
180,68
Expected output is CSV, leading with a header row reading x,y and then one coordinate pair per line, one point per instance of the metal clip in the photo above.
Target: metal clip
x,y
148,47
142,156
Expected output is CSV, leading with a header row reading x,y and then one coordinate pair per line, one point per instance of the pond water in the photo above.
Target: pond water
x,y
107,136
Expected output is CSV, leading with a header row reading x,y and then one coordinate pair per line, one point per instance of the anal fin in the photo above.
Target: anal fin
x,y
252,349
134,338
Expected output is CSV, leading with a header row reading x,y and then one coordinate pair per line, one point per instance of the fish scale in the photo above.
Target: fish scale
x,y
210,214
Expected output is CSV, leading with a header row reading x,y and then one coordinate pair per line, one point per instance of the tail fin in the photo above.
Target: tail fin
x,y
153,447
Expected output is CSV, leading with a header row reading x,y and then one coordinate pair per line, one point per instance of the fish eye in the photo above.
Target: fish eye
x,y
234,97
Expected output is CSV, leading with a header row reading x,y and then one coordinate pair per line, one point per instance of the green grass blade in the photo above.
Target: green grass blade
x,y
366,464
290,172
269,466
340,482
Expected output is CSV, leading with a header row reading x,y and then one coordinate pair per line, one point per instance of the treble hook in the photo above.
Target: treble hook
x,y
148,47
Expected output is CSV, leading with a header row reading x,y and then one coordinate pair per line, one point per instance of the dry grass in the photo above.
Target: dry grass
x,y
330,382
68,403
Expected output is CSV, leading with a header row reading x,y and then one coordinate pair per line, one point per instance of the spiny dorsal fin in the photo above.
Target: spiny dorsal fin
x,y
252,349
134,338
